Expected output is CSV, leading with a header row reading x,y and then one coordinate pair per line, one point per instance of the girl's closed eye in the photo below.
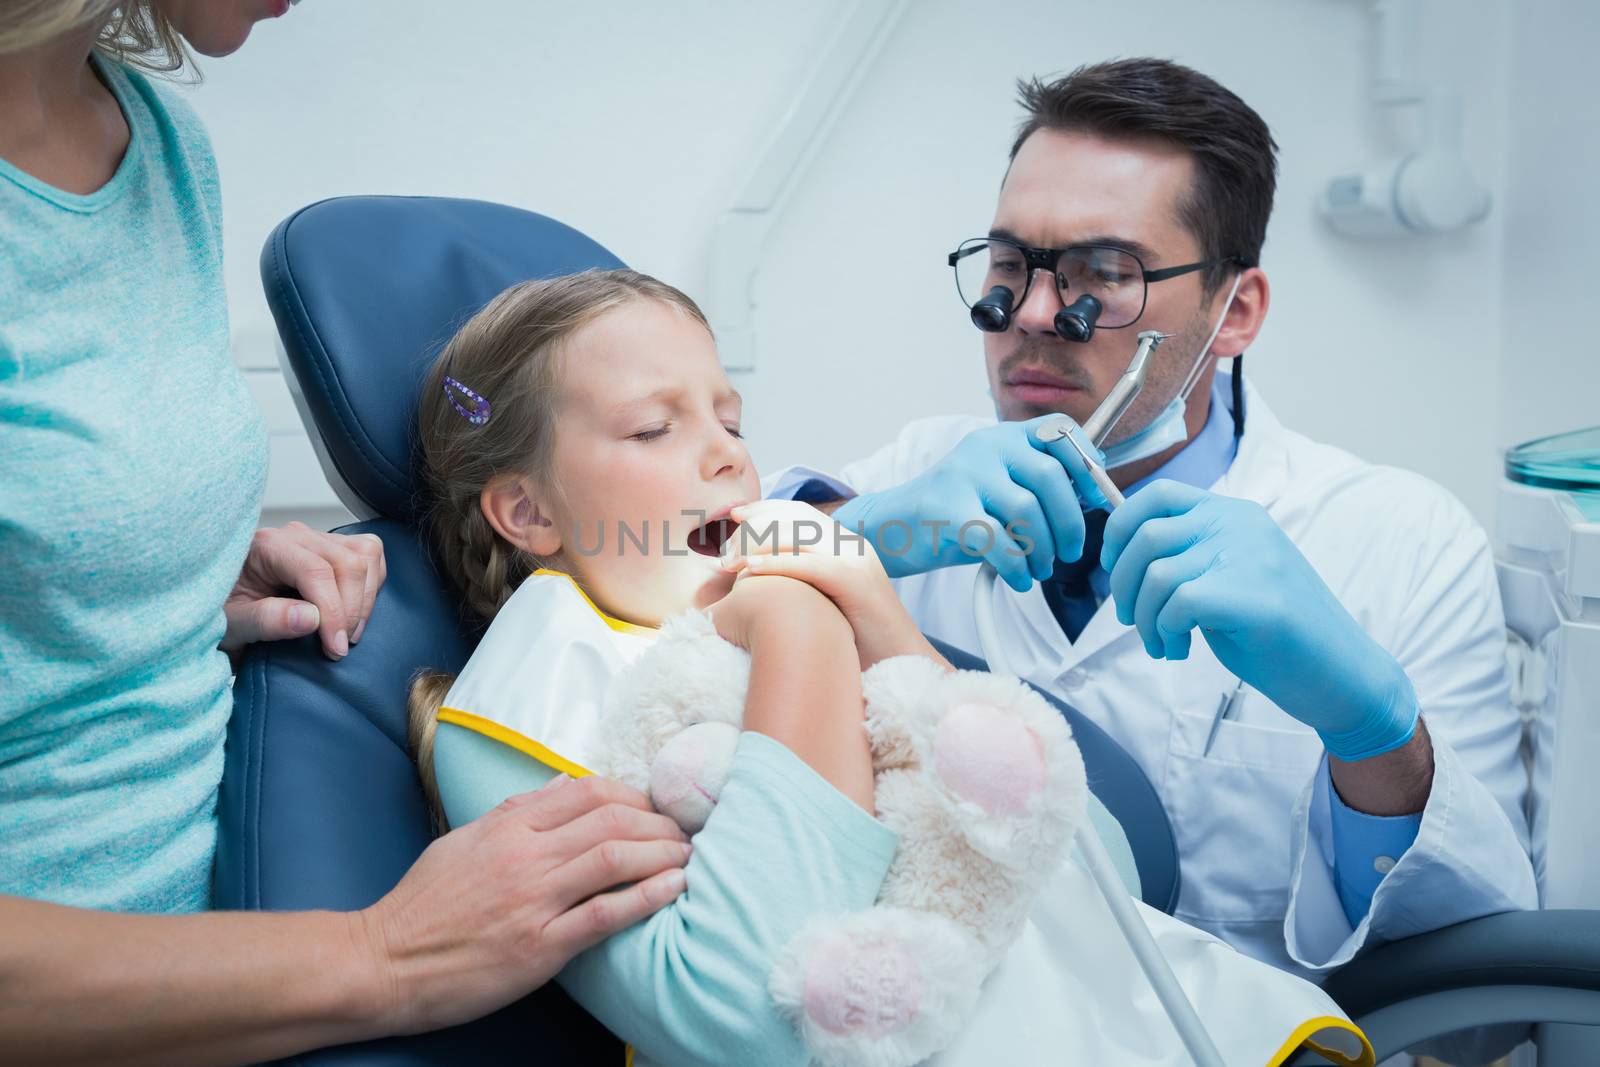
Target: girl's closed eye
x,y
650,434
734,430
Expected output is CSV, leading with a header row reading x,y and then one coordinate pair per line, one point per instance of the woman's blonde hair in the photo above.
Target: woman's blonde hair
x,y
509,353
133,32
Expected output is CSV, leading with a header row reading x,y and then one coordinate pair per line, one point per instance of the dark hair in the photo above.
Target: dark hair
x,y
1235,157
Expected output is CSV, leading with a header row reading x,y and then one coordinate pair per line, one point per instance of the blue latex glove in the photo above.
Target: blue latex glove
x,y
1016,493
1181,558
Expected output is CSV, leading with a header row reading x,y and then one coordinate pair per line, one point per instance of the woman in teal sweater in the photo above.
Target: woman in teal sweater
x,y
130,485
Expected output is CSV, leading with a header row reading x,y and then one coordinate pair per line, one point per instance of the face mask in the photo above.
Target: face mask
x,y
1168,428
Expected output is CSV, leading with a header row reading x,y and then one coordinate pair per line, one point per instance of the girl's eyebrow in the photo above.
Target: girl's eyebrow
x,y
670,393
664,395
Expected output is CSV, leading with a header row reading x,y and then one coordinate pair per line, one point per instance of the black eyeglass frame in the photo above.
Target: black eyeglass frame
x,y
1045,259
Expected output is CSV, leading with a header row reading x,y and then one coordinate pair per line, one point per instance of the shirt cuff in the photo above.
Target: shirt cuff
x,y
809,487
1365,849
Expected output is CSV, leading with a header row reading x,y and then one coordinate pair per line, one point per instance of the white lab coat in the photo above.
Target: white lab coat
x,y
1251,818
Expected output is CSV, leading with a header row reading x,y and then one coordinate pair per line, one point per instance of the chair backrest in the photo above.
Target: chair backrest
x,y
320,805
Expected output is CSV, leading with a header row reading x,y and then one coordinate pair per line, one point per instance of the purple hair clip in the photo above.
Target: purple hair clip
x,y
478,413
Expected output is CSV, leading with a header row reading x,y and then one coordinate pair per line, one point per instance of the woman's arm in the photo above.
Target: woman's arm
x,y
82,986
487,914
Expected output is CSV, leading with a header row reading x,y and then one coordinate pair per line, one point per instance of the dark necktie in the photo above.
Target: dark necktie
x,y
1067,590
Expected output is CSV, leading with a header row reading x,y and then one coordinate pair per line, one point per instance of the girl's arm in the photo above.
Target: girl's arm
x,y
789,839
805,678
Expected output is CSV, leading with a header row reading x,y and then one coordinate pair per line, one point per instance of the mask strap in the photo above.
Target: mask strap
x,y
1205,350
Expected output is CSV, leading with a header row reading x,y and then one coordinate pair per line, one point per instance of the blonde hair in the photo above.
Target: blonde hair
x,y
132,32
427,694
510,354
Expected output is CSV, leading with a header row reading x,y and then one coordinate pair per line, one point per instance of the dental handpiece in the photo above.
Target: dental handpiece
x,y
1125,392
1107,415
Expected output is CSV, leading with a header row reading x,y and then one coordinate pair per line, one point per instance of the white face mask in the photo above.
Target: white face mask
x,y
1168,428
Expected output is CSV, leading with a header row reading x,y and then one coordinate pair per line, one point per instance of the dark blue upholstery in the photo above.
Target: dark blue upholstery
x,y
365,291
320,806
1123,788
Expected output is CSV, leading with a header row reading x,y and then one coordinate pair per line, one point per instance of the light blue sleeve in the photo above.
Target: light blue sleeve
x,y
1365,848
475,773
688,985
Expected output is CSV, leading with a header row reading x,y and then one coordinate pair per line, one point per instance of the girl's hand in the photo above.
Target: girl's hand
x,y
795,540
297,580
773,604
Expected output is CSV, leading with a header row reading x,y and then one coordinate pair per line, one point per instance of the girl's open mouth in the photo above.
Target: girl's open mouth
x,y
708,539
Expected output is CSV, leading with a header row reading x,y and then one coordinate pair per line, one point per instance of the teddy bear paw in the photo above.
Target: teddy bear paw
x,y
886,987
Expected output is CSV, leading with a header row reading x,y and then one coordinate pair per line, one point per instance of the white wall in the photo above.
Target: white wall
x,y
633,123
1550,369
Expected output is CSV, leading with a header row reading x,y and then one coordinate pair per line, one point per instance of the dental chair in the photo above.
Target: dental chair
x,y
320,804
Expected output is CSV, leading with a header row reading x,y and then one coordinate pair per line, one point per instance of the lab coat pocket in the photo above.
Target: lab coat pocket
x,y
1232,808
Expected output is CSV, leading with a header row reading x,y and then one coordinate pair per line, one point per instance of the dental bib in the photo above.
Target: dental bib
x,y
538,678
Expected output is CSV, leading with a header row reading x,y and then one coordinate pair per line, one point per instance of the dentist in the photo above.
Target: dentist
x,y
1363,784
130,485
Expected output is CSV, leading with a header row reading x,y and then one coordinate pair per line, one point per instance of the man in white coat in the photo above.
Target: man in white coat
x,y
1338,753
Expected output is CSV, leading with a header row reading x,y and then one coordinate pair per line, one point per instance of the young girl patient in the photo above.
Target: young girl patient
x,y
582,447
872,826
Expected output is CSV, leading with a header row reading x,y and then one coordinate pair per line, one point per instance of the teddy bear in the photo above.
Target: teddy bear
x,y
977,774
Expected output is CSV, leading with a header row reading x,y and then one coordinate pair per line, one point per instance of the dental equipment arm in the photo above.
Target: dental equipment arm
x,y
1202,1049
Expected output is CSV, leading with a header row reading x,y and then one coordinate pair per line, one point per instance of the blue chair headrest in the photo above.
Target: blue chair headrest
x,y
320,805
358,351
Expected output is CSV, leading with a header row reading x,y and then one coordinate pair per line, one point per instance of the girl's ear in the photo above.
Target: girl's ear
x,y
517,514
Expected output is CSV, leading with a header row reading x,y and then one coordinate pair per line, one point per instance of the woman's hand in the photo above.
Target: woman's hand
x,y
335,579
493,909
795,540
488,913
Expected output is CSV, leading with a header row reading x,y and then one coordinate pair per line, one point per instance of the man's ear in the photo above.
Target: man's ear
x,y
1245,315
518,514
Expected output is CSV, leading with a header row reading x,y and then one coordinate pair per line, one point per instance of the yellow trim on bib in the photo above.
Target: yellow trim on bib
x,y
1302,1037
507,736
619,625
